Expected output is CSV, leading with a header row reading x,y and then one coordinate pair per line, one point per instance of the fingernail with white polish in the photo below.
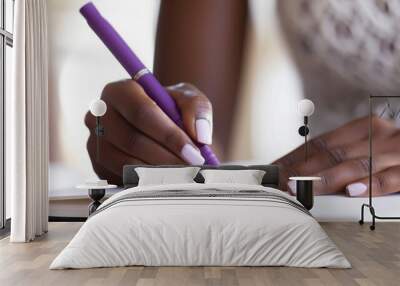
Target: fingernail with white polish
x,y
356,189
203,130
292,186
191,155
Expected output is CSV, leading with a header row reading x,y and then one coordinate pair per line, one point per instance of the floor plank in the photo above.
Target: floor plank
x,y
375,257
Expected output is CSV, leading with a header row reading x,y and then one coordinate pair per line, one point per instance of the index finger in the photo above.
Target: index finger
x,y
196,111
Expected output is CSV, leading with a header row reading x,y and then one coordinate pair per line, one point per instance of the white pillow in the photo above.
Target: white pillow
x,y
248,177
163,176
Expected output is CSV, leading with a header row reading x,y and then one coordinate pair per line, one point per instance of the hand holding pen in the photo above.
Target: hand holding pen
x,y
163,108
139,132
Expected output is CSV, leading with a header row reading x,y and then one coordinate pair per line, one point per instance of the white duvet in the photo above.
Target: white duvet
x,y
188,231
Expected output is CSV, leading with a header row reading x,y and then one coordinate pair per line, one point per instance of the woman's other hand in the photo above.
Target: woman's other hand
x,y
341,159
137,131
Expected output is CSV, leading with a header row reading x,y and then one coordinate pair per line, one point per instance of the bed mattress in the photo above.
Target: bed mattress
x,y
198,225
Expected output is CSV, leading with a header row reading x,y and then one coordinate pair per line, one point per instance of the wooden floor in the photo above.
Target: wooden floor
x,y
375,257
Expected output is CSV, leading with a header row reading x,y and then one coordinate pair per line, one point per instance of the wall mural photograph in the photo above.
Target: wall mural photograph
x,y
214,134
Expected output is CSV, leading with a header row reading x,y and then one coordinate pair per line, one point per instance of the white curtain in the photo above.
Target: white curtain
x,y
27,123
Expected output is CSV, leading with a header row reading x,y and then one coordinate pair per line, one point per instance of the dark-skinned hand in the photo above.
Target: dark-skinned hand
x,y
137,131
341,159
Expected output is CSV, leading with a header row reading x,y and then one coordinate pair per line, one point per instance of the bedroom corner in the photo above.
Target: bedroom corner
x,y
231,142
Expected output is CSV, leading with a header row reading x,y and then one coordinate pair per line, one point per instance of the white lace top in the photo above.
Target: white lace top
x,y
344,49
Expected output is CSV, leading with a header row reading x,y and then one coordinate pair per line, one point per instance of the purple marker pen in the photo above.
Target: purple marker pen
x,y
138,71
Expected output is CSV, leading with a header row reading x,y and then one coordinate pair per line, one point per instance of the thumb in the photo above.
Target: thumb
x,y
196,111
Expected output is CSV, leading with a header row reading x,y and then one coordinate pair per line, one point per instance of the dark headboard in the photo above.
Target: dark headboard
x,y
270,179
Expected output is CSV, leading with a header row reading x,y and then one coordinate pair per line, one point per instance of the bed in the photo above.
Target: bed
x,y
199,224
